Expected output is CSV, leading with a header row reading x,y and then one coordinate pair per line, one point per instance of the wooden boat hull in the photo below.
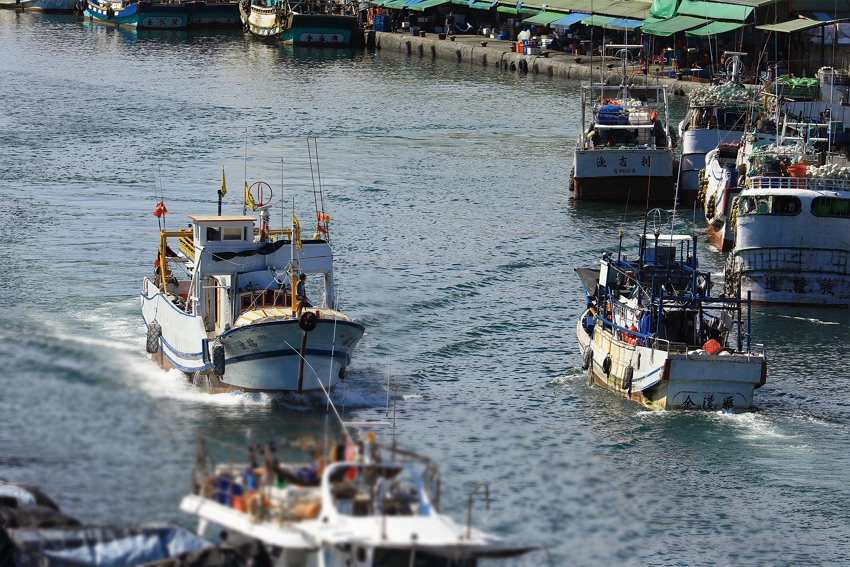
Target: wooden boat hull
x,y
665,380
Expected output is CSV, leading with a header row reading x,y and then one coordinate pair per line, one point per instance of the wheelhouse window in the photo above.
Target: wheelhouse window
x,y
831,207
213,234
231,233
770,205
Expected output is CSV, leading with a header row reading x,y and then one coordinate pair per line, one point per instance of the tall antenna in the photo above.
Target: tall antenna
x,y
245,165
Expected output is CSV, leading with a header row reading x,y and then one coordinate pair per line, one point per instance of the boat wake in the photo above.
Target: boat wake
x,y
807,319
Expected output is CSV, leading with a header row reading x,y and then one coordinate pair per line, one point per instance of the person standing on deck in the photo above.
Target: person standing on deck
x,y
450,23
301,295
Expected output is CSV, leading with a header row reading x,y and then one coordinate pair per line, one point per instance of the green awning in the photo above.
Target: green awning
x,y
714,28
425,4
674,25
508,10
714,10
395,4
544,18
663,8
797,24
634,9
597,20
481,5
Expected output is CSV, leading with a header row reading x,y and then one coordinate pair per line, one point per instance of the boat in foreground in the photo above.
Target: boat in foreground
x,y
240,319
653,333
792,229
369,506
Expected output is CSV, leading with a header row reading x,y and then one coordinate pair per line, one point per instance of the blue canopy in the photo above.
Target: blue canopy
x,y
569,20
622,24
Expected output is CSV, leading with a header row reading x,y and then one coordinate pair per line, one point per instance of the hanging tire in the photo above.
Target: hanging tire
x,y
343,373
572,181
308,321
154,333
627,379
587,358
606,364
218,359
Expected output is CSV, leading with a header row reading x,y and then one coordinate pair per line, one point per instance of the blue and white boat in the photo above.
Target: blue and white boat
x,y
137,14
653,333
65,6
237,320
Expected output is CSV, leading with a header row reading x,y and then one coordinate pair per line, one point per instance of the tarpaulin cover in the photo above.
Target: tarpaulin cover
x,y
663,8
543,18
797,24
674,25
568,20
421,6
714,28
102,546
714,10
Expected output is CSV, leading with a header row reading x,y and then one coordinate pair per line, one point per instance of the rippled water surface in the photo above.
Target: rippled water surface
x,y
455,240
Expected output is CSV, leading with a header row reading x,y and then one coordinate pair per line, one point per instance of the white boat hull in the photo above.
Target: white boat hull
x,y
624,174
664,380
258,357
695,145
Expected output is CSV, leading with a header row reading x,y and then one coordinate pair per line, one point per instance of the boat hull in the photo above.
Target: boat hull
x,y
60,6
213,15
257,357
695,145
319,30
141,15
263,23
664,380
621,175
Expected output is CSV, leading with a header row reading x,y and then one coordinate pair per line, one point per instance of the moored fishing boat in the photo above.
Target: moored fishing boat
x,y
625,150
241,319
60,6
137,14
356,505
720,183
653,333
299,23
212,14
716,115
792,233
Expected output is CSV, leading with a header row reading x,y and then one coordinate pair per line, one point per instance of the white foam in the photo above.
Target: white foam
x,y
411,397
809,319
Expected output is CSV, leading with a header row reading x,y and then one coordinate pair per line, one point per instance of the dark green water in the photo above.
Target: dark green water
x,y
456,242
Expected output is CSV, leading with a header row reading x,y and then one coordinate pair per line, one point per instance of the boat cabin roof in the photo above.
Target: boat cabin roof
x,y
669,237
220,219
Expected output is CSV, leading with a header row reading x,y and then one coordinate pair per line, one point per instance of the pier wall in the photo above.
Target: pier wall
x,y
500,54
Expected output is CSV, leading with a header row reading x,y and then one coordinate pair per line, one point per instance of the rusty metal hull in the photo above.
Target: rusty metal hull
x,y
671,380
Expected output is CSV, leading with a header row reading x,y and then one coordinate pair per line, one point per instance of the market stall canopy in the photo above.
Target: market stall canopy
x,y
663,8
623,24
714,10
632,9
543,18
425,4
596,20
714,28
569,20
480,5
675,24
797,24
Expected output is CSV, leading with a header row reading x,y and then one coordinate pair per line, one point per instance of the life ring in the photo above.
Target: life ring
x,y
606,364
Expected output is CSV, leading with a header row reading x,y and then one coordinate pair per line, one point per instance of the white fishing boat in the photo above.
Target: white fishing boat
x,y
716,115
653,333
625,150
792,229
721,182
359,505
237,320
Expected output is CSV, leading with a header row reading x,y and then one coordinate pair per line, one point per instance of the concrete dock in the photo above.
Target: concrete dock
x,y
477,50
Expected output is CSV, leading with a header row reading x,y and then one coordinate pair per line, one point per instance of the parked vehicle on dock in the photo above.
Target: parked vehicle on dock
x,y
363,507
653,333
625,149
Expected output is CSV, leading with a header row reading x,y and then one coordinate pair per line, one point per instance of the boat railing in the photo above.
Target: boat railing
x,y
834,184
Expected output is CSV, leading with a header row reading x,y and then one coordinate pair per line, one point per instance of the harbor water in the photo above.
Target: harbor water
x,y
455,240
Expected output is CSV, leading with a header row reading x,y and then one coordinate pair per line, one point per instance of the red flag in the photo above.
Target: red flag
x,y
324,218
160,209
321,229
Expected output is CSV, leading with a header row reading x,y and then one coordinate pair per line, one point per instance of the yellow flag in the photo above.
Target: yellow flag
x,y
297,233
223,191
249,199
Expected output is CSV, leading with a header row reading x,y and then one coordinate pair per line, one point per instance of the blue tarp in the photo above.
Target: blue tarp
x,y
568,20
102,546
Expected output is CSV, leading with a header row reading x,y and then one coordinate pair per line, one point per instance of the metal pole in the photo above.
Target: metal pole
x,y
749,319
